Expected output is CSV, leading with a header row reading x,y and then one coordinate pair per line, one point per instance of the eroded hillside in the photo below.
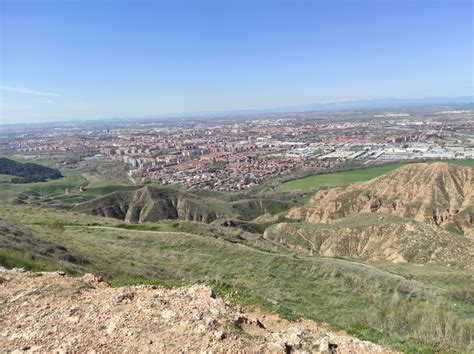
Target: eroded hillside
x,y
439,194
151,204
375,237
357,270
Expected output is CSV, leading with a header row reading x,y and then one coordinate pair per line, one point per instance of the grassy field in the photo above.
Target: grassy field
x,y
343,178
338,178
406,307
72,180
100,177
467,163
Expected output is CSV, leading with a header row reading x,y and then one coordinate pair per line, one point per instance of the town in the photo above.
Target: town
x,y
239,152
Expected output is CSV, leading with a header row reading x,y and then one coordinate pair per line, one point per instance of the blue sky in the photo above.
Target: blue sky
x,y
63,60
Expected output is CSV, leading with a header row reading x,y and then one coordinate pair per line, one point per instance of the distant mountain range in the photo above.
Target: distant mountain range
x,y
353,104
379,103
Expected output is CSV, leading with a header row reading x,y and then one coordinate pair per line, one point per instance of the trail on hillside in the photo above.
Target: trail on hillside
x,y
144,231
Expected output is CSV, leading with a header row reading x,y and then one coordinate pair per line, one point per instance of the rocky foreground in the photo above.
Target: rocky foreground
x,y
44,312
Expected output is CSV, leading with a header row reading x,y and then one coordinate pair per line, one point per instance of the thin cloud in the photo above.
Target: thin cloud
x,y
27,91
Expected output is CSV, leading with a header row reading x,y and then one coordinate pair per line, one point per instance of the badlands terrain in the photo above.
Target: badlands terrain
x,y
438,194
388,261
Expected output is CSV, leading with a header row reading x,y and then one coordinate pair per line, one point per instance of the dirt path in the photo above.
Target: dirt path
x,y
144,231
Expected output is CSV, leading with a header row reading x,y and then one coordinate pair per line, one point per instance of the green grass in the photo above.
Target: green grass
x,y
20,158
100,189
407,345
447,278
6,178
369,219
466,163
338,179
370,302
343,178
11,259
110,178
72,180
166,283
249,209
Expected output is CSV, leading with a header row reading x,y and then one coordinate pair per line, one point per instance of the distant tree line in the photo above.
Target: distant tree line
x,y
27,172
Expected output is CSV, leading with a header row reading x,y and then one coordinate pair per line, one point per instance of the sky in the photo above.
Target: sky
x,y
74,60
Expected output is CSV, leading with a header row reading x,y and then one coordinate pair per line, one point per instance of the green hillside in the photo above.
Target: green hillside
x,y
368,302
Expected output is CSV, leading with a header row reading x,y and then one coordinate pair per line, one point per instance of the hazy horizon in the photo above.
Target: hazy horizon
x,y
366,105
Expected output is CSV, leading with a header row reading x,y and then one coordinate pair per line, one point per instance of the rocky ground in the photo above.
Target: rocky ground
x,y
45,312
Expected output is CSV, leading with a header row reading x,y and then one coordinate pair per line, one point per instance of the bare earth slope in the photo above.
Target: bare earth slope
x,y
150,204
50,312
376,237
440,194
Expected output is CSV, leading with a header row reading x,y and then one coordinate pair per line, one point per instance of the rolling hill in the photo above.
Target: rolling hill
x,y
149,204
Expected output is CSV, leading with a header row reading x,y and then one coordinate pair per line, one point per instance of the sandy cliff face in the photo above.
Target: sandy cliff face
x,y
440,194
49,312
